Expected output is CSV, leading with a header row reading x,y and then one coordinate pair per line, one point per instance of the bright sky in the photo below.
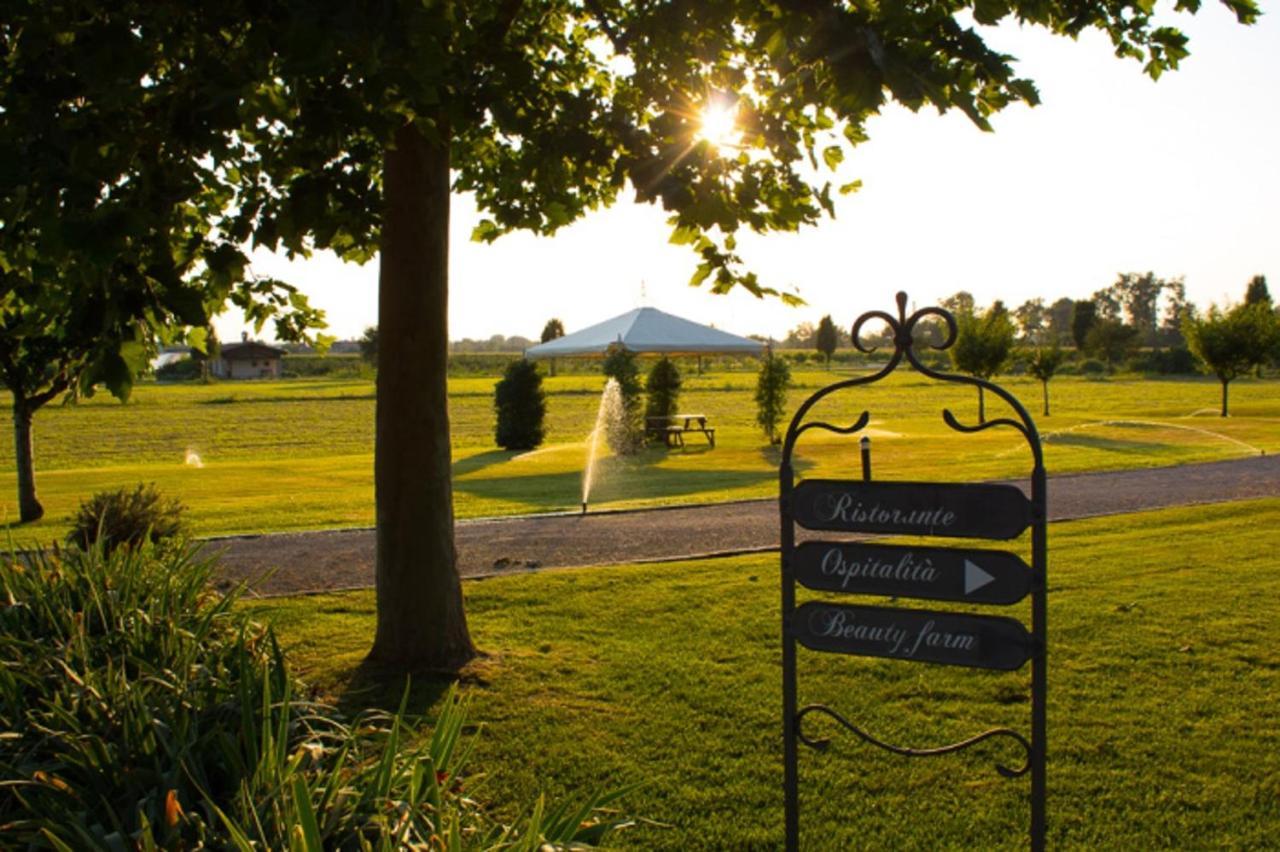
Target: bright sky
x,y
1112,173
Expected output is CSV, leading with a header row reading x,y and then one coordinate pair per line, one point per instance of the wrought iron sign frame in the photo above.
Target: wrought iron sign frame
x,y
903,327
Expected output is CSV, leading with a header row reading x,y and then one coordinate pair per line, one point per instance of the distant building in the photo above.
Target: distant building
x,y
247,360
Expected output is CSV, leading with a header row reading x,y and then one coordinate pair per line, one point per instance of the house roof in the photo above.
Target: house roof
x,y
647,330
249,350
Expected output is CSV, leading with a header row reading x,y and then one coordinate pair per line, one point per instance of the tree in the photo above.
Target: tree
x,y
345,127
827,338
959,303
1083,317
1257,293
1232,342
552,330
1138,295
662,389
1043,364
520,406
1107,305
800,337
1111,340
772,384
983,346
1059,314
369,344
626,434
1176,309
1031,316
107,199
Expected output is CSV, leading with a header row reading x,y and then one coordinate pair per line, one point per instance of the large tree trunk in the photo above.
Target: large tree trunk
x,y
421,623
29,508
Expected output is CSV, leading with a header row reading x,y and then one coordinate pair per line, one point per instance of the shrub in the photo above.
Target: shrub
x,y
662,390
182,370
521,407
126,518
1176,360
625,435
1092,367
144,711
771,395
334,366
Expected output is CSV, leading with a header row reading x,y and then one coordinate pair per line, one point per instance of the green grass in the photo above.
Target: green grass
x,y
1164,728
289,455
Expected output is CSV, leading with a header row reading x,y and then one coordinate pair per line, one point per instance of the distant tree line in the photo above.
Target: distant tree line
x,y
1138,311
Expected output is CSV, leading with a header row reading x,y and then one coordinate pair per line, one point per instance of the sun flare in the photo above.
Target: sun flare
x,y
719,124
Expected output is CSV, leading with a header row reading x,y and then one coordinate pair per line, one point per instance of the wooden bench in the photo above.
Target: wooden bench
x,y
673,429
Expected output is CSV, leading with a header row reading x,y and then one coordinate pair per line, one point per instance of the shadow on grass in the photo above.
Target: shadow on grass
x,y
375,686
480,461
1112,445
614,480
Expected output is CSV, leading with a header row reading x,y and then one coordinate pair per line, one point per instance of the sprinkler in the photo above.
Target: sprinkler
x,y
584,507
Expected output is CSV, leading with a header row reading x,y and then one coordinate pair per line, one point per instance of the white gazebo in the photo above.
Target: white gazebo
x,y
646,330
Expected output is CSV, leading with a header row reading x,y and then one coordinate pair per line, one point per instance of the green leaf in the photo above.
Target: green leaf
x,y
833,156
485,231
850,187
198,339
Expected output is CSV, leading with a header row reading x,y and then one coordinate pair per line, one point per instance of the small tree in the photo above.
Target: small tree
x,y
662,390
1043,364
826,339
369,345
1111,340
983,346
520,405
620,365
1257,292
771,395
553,329
1084,315
1232,342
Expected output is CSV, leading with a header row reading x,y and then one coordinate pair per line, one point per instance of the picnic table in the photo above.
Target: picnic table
x,y
673,429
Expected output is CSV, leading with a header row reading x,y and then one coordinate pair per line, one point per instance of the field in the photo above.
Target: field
x,y
297,454
1163,725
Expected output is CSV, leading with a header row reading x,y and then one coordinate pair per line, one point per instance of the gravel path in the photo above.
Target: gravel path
x,y
340,559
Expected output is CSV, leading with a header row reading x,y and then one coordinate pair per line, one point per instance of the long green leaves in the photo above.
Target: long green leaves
x,y
140,710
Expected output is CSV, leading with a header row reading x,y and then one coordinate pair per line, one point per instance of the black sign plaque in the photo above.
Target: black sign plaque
x,y
918,635
932,573
966,510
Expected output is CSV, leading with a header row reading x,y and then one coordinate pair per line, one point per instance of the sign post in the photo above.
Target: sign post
x,y
964,575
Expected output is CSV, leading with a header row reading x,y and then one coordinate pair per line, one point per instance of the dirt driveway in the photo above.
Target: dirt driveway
x,y
342,559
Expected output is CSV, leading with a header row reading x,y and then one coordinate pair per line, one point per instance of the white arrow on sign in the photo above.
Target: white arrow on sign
x,y
974,577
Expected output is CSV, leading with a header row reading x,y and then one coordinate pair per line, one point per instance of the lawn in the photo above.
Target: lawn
x,y
297,454
1163,724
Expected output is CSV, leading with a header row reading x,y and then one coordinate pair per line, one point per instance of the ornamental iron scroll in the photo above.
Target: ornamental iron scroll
x,y
904,329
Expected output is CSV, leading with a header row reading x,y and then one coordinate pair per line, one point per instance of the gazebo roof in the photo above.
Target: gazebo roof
x,y
647,330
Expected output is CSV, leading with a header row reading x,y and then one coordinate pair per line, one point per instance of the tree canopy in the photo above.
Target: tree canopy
x,y
552,330
984,344
1232,342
